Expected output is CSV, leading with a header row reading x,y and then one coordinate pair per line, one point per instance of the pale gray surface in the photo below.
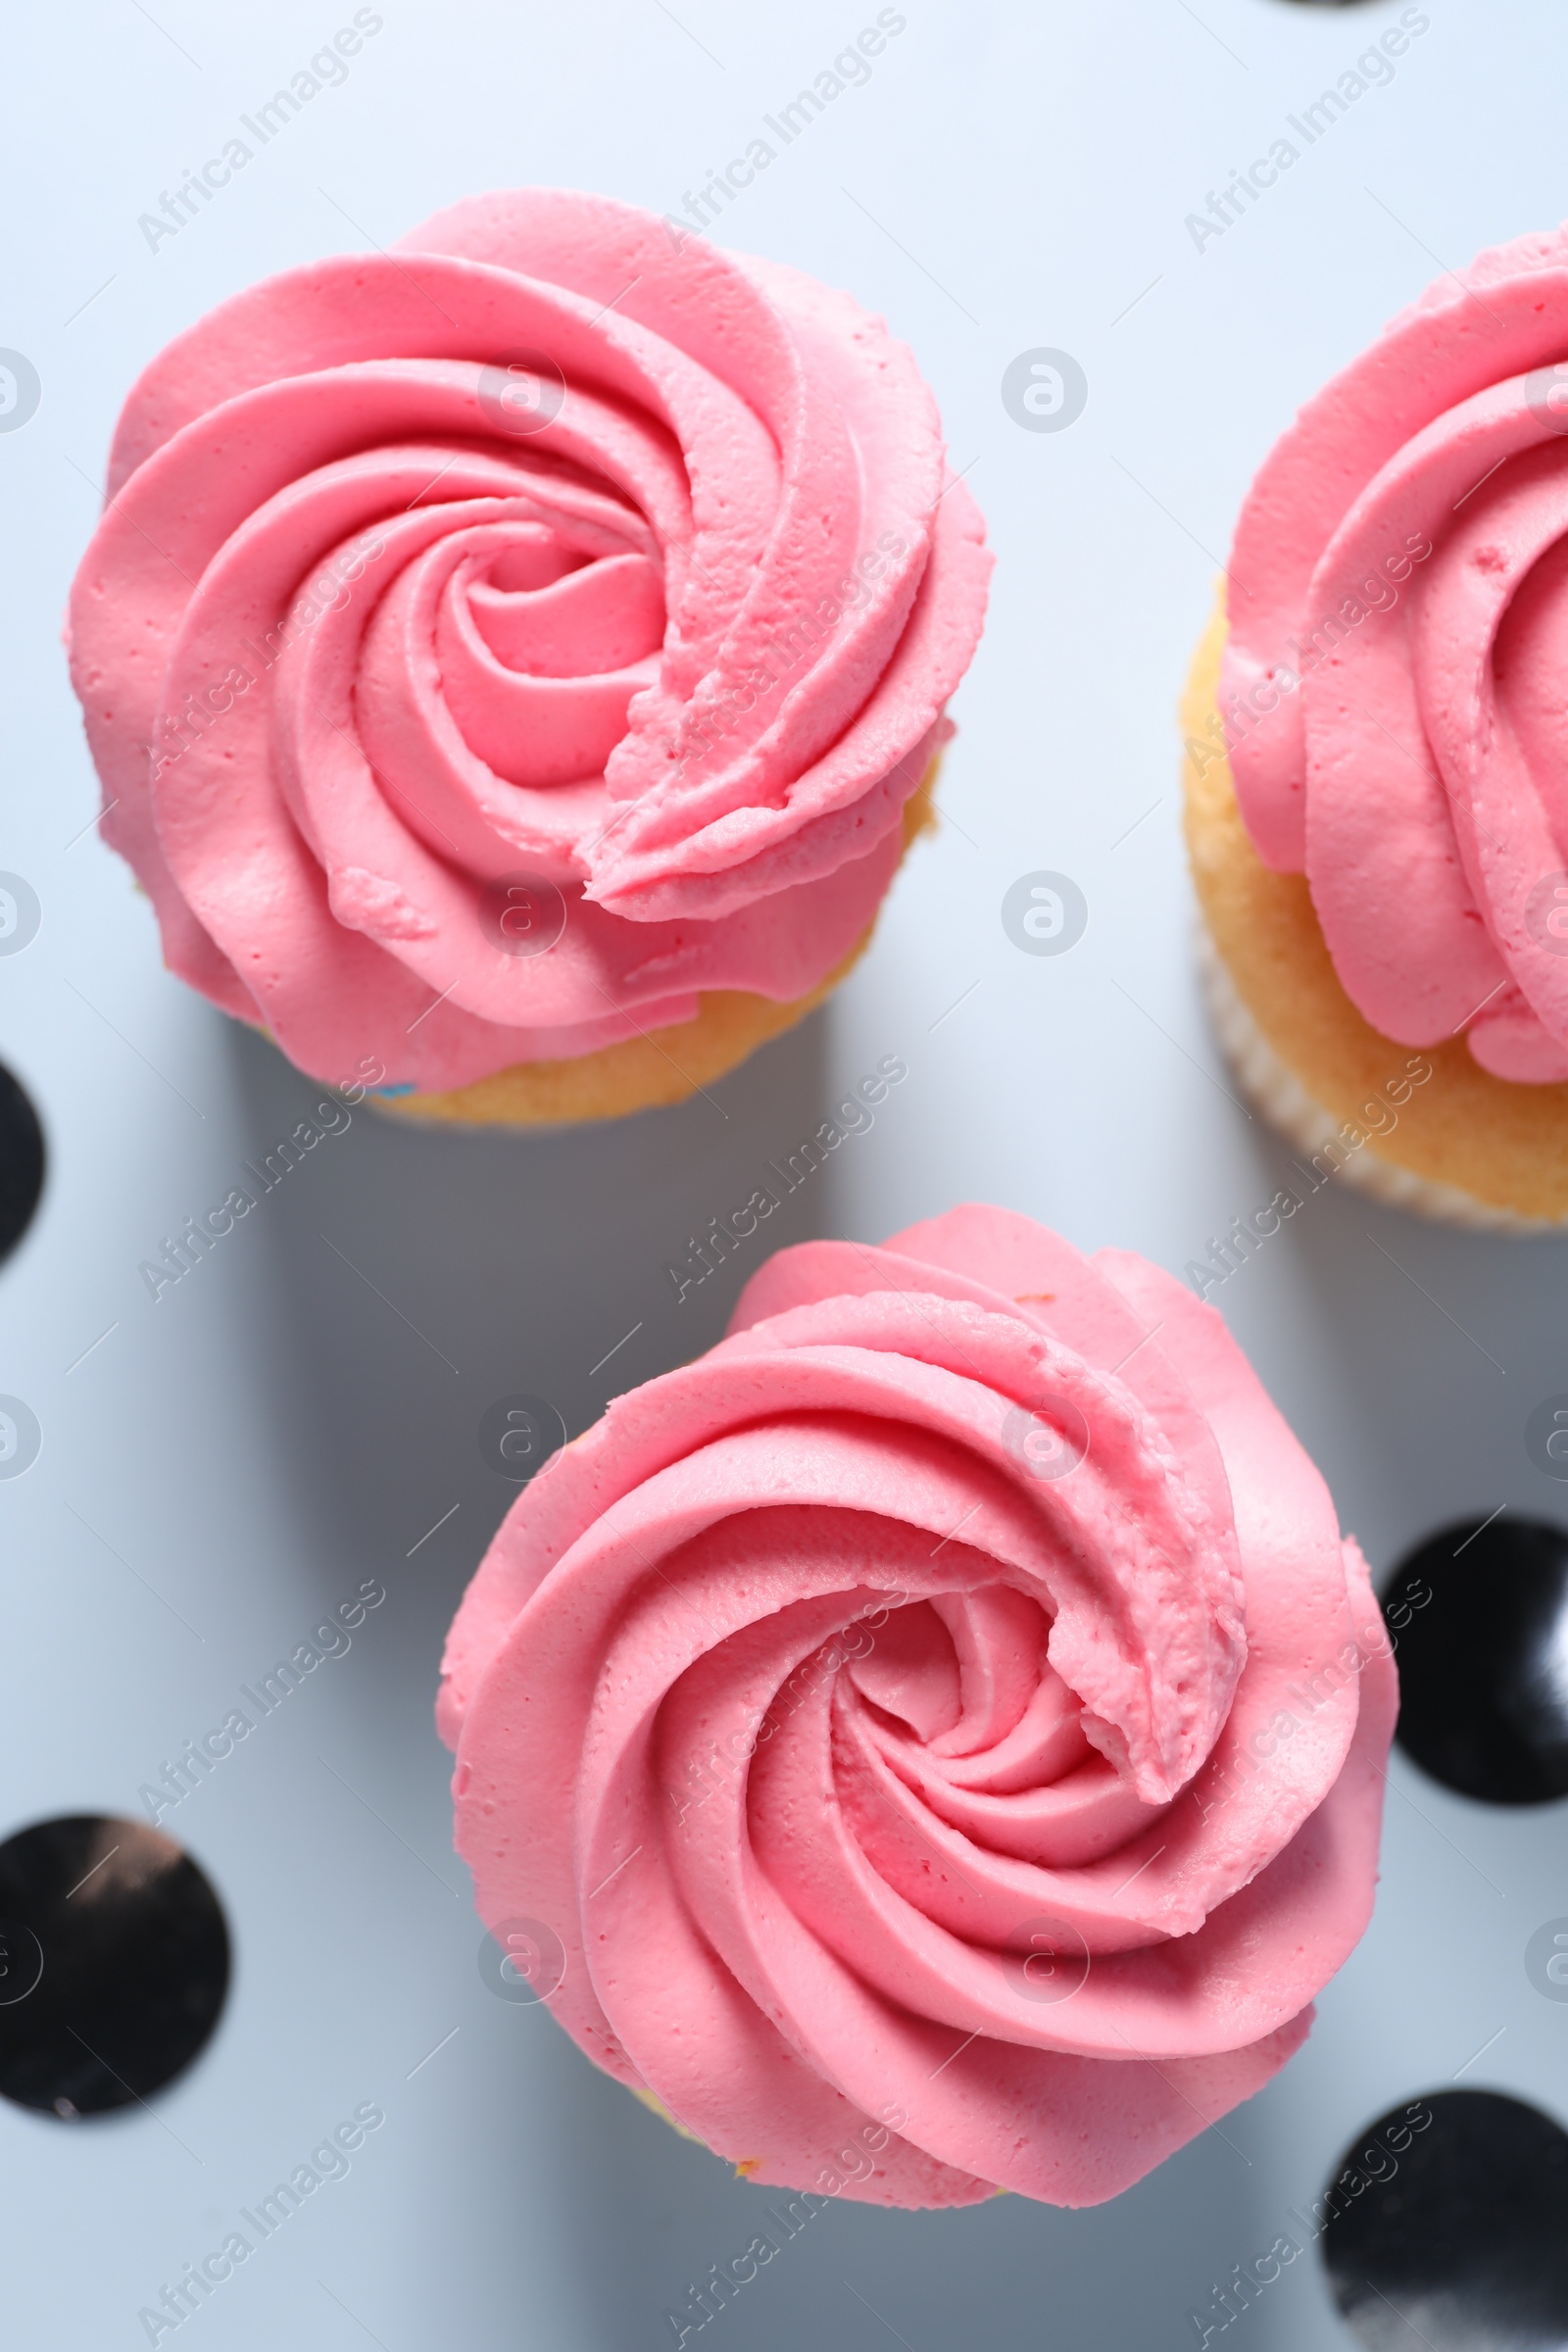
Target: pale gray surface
x,y
272,1433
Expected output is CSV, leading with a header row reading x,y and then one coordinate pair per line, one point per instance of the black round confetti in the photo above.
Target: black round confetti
x,y
127,1954
1478,1620
1446,2224
22,1163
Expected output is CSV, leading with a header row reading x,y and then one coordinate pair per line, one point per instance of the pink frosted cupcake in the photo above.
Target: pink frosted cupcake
x,y
516,666
1376,748
934,1743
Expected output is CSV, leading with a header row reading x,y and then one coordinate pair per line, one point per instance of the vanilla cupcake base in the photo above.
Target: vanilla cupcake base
x,y
1466,1148
659,1067
1286,1106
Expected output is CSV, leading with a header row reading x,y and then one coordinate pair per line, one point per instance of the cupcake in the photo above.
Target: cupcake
x,y
934,1743
1376,744
516,664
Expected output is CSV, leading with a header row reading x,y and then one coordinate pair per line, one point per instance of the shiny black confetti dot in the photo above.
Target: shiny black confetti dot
x,y
1478,1620
1452,2230
22,1163
114,1964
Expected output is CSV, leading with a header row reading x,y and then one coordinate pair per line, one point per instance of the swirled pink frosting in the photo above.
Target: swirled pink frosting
x,y
942,1728
1403,554
549,545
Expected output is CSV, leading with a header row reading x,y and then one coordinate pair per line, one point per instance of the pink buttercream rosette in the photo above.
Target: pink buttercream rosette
x,y
489,646
939,1735
1392,686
